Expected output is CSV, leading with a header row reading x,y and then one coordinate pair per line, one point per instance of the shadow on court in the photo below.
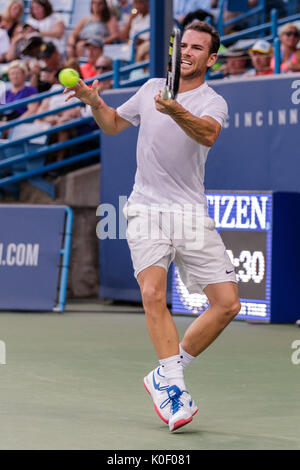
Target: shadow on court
x,y
75,381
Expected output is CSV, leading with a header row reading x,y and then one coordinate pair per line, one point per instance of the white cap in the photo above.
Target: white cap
x,y
262,46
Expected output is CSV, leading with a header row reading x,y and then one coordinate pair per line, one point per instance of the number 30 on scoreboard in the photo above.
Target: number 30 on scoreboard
x,y
244,221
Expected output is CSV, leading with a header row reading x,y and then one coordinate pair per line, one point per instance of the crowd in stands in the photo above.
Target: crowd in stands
x,y
36,46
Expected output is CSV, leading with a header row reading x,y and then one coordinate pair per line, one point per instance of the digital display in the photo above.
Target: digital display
x,y
247,252
244,221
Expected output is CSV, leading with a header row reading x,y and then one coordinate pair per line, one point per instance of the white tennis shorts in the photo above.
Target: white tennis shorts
x,y
192,242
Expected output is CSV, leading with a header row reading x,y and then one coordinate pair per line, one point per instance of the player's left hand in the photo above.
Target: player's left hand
x,y
164,106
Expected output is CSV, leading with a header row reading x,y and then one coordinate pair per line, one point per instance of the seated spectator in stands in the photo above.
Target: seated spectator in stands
x,y
261,55
183,7
137,21
51,56
289,51
103,65
102,24
4,44
122,10
55,102
49,24
94,49
17,74
50,59
236,61
27,39
11,17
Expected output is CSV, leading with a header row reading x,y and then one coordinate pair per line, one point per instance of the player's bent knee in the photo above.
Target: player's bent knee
x,y
231,310
153,297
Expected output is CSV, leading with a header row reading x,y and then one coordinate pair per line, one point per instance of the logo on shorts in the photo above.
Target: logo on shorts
x,y
229,272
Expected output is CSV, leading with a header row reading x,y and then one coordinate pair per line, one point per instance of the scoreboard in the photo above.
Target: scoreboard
x,y
260,231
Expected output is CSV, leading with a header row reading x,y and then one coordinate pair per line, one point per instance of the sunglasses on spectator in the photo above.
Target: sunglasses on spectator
x,y
292,33
103,67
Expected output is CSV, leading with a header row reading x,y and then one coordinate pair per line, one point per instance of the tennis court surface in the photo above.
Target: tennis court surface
x,y
75,381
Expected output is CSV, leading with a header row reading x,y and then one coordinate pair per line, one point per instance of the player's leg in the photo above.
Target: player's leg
x,y
224,306
166,383
160,324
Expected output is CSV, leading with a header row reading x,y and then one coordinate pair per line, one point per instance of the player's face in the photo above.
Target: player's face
x,y
195,54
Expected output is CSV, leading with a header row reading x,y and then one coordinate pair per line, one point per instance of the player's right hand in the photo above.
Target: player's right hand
x,y
88,95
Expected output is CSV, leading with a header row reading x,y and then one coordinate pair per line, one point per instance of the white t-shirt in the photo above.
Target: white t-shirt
x,y
139,23
46,25
4,41
170,164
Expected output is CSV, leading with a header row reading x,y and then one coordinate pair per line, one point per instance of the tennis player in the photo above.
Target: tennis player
x,y
174,139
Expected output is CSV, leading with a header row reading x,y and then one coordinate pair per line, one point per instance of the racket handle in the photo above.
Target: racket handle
x,y
166,95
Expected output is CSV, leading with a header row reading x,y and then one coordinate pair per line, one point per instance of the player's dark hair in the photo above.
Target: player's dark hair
x,y
203,27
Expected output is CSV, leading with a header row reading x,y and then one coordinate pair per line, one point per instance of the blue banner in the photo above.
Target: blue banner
x,y
31,240
258,148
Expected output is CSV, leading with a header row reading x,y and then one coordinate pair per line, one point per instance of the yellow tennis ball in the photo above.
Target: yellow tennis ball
x,y
68,77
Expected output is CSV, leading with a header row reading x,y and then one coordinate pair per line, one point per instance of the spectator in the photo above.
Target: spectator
x,y
290,53
4,44
50,59
11,17
27,39
94,48
51,56
261,55
137,21
102,24
17,74
236,62
49,24
55,102
103,65
182,7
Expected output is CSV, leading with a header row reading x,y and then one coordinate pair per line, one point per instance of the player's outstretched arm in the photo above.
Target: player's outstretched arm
x,y
107,118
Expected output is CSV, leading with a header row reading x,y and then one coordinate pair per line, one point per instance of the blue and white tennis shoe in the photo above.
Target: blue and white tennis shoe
x,y
174,406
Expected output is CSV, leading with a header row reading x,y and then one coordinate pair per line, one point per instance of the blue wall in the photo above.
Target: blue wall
x,y
260,147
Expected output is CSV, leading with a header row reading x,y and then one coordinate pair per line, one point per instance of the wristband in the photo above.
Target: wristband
x,y
96,107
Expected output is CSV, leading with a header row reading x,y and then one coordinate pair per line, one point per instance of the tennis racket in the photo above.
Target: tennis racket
x,y
173,72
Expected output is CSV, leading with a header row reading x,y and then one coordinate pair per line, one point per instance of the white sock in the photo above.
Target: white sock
x,y
173,371
185,357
